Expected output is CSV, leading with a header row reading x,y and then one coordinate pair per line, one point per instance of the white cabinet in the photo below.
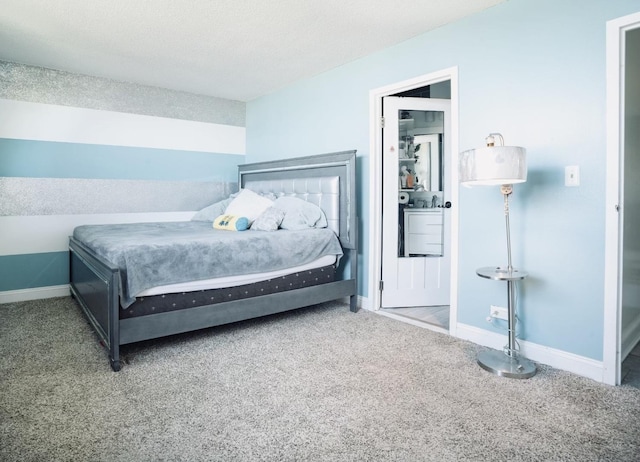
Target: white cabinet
x,y
423,231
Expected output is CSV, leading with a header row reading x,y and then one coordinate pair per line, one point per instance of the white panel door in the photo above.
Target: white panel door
x,y
416,255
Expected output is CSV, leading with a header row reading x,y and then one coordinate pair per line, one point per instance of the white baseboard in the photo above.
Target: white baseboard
x,y
559,359
23,295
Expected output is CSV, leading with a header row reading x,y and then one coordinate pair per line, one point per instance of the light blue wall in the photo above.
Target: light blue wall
x,y
45,159
532,70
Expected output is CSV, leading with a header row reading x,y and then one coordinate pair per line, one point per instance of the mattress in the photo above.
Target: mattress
x,y
233,281
156,304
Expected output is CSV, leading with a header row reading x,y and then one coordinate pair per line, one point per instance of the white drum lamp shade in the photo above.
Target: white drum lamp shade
x,y
493,165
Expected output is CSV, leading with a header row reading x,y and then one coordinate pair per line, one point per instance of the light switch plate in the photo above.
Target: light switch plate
x,y
572,175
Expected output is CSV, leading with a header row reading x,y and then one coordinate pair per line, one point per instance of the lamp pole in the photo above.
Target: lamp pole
x,y
507,363
506,190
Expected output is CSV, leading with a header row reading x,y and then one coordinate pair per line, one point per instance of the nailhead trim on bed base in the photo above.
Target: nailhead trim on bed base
x,y
170,302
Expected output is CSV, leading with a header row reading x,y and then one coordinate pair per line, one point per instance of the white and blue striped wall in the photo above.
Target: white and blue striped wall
x,y
63,166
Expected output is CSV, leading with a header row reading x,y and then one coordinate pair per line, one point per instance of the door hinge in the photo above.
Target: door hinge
x,y
381,122
381,286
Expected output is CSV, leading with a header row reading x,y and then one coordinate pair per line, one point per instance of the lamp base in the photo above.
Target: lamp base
x,y
497,362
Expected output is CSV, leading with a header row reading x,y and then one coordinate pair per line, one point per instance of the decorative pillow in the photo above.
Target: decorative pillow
x,y
269,195
212,211
269,220
248,204
231,223
300,214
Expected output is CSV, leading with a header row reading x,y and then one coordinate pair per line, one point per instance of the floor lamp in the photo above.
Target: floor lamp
x,y
500,166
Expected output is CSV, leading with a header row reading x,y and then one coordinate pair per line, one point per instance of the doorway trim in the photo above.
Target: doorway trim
x,y
375,183
611,354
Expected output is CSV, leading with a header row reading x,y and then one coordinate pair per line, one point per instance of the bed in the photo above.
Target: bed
x,y
120,316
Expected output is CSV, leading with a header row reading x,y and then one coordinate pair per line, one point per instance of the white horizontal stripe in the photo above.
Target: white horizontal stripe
x,y
37,293
50,233
49,122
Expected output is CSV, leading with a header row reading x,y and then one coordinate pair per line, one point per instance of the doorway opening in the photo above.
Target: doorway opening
x,y
622,246
439,86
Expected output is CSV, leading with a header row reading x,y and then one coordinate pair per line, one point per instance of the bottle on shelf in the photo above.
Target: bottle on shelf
x,y
407,180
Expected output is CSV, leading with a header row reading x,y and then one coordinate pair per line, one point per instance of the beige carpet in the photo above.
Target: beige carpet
x,y
318,384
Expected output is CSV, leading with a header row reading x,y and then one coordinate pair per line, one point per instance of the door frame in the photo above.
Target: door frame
x,y
614,204
375,183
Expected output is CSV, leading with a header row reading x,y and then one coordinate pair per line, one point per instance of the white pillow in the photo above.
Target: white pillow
x,y
213,211
248,204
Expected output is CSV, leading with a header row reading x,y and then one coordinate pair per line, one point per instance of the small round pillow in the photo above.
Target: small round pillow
x,y
231,223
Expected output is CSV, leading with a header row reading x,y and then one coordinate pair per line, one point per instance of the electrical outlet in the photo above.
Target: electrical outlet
x,y
498,312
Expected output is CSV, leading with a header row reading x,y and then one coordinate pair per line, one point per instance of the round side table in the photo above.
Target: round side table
x,y
506,363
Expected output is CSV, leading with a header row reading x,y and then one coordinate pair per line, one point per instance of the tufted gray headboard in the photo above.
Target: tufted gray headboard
x,y
326,180
323,192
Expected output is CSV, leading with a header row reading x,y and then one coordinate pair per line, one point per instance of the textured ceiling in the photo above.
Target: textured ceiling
x,y
235,49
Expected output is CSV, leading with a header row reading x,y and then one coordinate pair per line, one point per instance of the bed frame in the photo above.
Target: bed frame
x,y
94,281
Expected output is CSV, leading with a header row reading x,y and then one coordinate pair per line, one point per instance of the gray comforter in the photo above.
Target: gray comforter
x,y
155,254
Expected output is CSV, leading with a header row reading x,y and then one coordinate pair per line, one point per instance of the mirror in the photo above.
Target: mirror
x,y
420,185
